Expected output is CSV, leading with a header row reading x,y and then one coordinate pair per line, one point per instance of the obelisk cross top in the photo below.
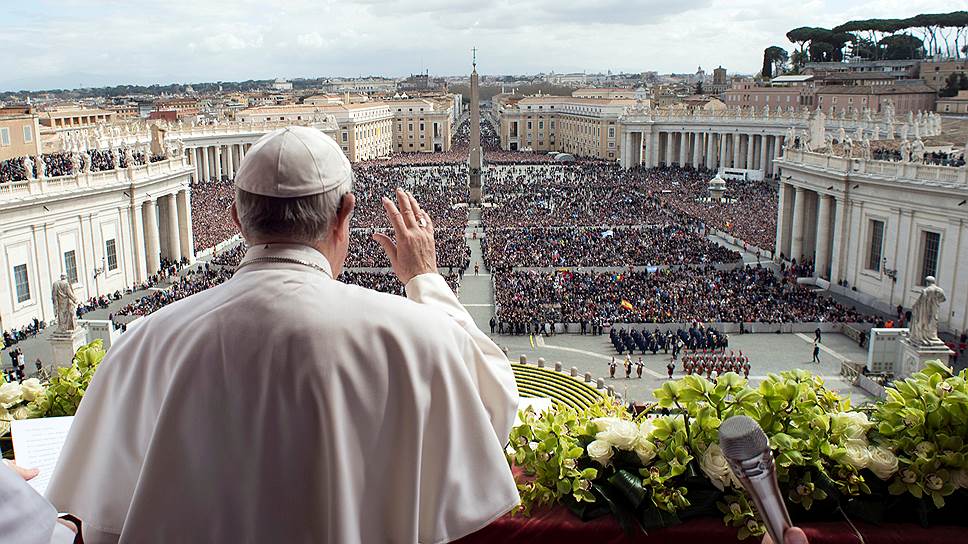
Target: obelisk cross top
x,y
474,61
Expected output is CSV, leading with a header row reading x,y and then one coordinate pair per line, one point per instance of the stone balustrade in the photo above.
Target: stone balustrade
x,y
49,185
903,172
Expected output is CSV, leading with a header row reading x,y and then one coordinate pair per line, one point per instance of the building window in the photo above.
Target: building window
x,y
876,245
21,282
529,125
611,132
4,136
344,136
929,257
111,251
70,266
540,124
28,134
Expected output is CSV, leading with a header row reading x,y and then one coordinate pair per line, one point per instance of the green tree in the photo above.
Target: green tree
x,y
698,88
774,57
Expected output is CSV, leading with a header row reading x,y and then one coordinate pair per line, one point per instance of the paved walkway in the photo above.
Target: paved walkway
x,y
477,290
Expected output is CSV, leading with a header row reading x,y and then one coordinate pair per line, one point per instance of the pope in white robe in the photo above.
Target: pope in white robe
x,y
285,406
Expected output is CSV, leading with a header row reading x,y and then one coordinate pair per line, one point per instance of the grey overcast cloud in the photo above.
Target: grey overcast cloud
x,y
72,43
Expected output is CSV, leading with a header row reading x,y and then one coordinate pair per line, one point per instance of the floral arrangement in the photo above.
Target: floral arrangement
x,y
832,460
59,396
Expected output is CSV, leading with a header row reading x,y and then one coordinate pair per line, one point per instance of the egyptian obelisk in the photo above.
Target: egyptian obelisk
x,y
475,159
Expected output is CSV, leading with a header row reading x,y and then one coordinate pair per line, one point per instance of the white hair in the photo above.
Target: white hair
x,y
305,219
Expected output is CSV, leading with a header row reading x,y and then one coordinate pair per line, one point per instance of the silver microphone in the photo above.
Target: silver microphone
x,y
747,449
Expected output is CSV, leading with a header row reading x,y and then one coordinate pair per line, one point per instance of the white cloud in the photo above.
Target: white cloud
x,y
311,40
191,40
223,42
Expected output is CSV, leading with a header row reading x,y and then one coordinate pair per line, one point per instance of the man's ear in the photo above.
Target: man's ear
x,y
235,216
345,213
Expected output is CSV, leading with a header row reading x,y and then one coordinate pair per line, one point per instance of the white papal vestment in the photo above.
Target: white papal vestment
x,y
284,406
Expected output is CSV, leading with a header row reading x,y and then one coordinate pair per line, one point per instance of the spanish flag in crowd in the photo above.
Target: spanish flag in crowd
x,y
627,305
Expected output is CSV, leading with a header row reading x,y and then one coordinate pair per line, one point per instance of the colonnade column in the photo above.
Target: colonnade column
x,y
668,149
151,236
230,161
796,235
205,167
836,273
174,242
781,223
218,163
138,244
185,234
683,144
722,149
734,144
763,154
822,264
696,149
749,151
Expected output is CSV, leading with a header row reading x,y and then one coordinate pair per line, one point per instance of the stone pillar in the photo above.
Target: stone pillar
x,y
822,267
735,145
174,242
206,172
710,159
668,148
777,151
796,236
781,223
763,154
241,153
218,163
836,266
696,149
683,148
624,152
185,233
721,137
138,244
230,161
151,236
749,151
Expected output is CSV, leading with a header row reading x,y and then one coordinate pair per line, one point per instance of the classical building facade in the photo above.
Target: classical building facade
x,y
105,231
421,125
19,133
876,229
587,127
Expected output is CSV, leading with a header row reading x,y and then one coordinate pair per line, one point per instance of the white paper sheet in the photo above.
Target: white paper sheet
x,y
37,443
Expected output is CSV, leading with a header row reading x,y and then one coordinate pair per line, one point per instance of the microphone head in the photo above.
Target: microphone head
x,y
741,438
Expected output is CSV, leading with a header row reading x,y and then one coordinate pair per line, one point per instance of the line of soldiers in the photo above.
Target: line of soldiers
x,y
696,338
718,363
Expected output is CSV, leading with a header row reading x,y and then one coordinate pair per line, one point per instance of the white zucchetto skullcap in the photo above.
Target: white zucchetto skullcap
x,y
293,162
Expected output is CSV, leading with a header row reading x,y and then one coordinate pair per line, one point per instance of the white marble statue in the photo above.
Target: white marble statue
x,y
917,151
865,149
87,162
65,304
128,156
28,167
841,135
41,167
877,133
889,111
790,139
116,158
905,150
924,318
849,148
905,131
75,164
867,114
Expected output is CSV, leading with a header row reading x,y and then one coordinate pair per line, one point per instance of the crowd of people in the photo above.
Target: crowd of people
x,y
682,295
388,283
66,164
211,221
600,246
748,213
13,336
452,250
940,158
189,283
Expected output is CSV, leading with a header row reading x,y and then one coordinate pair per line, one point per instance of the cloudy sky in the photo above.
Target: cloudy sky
x,y
70,43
